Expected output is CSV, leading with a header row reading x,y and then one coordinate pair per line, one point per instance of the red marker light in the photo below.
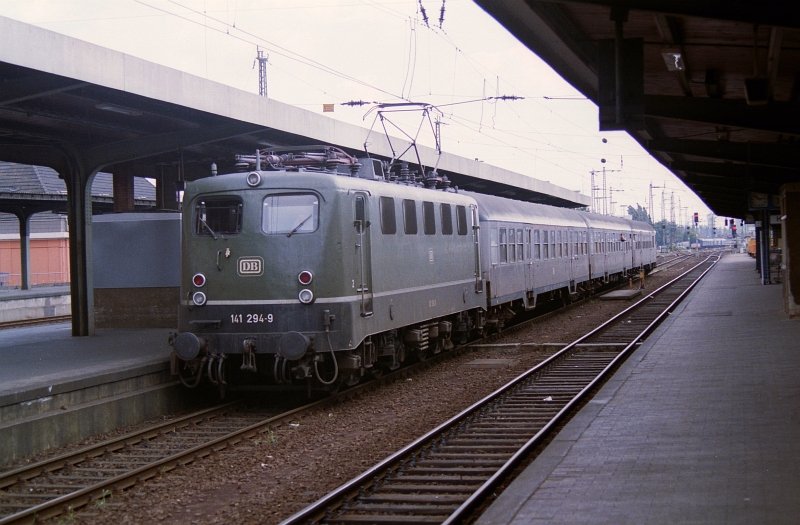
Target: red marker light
x,y
199,280
305,277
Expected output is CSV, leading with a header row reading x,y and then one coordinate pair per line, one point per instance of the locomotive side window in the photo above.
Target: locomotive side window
x,y
290,213
388,220
218,216
447,219
428,218
461,219
410,216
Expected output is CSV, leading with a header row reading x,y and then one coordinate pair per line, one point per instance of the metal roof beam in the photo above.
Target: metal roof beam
x,y
152,145
765,12
35,86
778,117
782,155
725,169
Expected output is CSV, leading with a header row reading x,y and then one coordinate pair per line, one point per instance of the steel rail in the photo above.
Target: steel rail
x,y
101,489
86,494
345,496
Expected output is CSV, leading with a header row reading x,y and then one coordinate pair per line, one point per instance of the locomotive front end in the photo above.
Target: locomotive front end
x,y
255,259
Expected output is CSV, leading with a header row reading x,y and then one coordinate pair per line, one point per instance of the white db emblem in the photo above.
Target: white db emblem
x,y
249,266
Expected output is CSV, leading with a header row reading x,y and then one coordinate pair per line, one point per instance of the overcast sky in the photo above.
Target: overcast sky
x,y
334,51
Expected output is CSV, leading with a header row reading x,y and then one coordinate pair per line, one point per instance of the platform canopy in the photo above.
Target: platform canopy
x,y
63,99
708,87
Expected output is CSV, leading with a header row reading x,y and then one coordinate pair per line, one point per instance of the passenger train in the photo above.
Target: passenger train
x,y
296,274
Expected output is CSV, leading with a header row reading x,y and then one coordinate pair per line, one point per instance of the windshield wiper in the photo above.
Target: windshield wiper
x,y
294,230
204,223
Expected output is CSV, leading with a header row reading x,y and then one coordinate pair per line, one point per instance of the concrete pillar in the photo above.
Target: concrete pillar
x,y
123,190
790,214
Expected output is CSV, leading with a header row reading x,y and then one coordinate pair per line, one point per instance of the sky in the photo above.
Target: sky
x,y
384,51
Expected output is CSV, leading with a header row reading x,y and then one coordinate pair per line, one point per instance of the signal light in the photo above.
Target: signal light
x,y
305,277
253,179
199,298
199,280
306,296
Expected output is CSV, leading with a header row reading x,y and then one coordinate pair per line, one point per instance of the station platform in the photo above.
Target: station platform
x,y
56,389
700,425
46,359
35,303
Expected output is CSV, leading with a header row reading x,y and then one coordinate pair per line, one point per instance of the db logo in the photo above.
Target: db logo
x,y
251,266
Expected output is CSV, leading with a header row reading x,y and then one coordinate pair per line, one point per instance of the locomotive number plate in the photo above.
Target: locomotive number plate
x,y
252,318
250,266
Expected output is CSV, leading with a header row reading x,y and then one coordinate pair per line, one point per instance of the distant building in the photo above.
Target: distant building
x,y
40,188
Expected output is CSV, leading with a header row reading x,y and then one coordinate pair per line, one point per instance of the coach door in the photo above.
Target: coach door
x,y
363,252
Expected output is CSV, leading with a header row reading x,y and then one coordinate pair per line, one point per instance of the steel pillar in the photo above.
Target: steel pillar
x,y
24,218
79,202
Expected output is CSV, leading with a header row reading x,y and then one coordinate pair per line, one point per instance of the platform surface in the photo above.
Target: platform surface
x,y
700,425
39,360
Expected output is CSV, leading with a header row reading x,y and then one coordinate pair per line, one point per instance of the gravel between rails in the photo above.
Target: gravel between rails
x,y
280,472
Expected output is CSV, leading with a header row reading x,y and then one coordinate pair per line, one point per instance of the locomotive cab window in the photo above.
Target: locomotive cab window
x,y
218,216
290,213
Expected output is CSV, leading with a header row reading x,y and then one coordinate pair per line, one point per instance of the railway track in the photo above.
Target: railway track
x,y
69,482
34,322
446,474
61,484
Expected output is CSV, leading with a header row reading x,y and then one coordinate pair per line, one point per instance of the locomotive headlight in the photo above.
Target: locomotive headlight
x,y
253,179
305,277
306,296
199,280
199,298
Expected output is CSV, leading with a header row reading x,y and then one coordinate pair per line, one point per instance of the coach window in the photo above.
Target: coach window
x,y
511,245
552,244
410,216
218,216
527,244
290,213
494,246
520,246
388,220
503,245
428,218
447,219
537,245
545,244
461,219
